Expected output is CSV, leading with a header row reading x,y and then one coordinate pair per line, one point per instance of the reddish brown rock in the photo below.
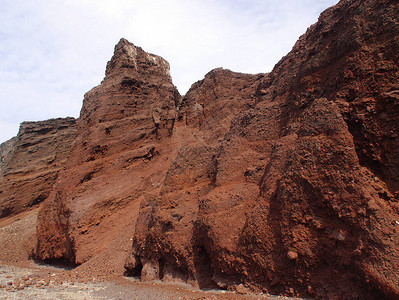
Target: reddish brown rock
x,y
283,182
307,169
120,157
210,104
6,151
30,162
350,56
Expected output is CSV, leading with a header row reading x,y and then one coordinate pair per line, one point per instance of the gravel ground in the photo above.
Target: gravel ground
x,y
23,283
16,233
43,282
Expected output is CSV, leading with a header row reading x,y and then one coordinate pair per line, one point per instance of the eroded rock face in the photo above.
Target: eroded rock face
x,y
6,151
302,184
120,157
283,182
350,56
30,162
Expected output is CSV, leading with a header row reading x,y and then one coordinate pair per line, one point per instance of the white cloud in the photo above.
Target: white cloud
x,y
52,52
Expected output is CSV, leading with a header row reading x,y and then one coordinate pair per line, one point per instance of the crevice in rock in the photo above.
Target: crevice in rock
x,y
60,263
133,267
38,199
161,263
87,177
204,268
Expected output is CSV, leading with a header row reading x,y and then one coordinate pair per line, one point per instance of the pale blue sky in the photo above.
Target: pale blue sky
x,y
54,51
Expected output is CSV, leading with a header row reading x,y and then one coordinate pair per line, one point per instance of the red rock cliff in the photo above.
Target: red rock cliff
x,y
303,183
283,182
30,162
120,156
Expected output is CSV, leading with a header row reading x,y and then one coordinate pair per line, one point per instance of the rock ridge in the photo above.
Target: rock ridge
x,y
125,127
30,162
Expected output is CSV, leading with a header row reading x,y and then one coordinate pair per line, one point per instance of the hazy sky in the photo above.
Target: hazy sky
x,y
54,51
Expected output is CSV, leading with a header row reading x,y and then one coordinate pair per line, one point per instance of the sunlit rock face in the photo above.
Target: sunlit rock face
x,y
120,156
31,161
284,182
287,182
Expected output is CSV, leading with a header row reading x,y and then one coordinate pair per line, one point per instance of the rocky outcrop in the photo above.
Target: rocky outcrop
x,y
302,184
6,151
166,234
30,162
350,56
120,157
283,182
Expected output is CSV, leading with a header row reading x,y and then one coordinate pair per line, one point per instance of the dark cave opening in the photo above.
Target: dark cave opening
x,y
134,270
59,263
204,268
161,264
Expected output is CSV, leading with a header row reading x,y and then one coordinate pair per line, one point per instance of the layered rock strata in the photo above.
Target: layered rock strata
x,y
30,162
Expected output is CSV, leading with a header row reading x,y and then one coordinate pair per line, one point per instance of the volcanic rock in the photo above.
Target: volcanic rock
x,y
6,151
309,166
119,158
30,162
284,182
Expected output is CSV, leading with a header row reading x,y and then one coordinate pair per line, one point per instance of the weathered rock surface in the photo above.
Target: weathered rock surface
x,y
299,196
284,182
30,162
6,151
120,157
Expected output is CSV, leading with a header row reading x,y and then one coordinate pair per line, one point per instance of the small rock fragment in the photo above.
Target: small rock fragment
x,y
292,255
241,289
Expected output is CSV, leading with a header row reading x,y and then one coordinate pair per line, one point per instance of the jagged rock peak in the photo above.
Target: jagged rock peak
x,y
133,60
